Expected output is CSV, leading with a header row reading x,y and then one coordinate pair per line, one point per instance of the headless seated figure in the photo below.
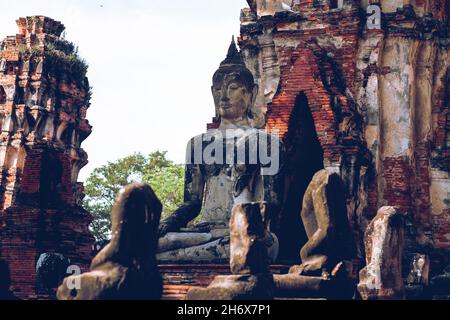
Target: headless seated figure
x,y
126,268
330,242
215,178
324,215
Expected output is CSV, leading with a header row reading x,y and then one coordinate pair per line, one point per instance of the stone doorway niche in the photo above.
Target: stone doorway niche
x,y
50,180
304,157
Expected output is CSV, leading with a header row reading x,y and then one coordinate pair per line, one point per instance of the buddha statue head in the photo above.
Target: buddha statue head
x,y
234,89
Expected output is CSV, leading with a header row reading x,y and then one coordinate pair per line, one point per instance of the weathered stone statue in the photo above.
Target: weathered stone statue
x,y
126,268
249,261
381,279
232,164
327,255
324,216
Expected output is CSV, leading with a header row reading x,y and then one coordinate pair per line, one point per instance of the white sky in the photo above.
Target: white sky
x,y
150,66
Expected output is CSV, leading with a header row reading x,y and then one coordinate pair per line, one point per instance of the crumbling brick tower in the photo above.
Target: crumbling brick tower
x,y
44,96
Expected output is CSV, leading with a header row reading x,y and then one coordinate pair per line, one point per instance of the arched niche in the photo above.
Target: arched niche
x,y
50,179
303,158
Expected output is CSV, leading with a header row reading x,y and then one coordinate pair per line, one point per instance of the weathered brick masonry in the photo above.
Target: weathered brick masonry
x,y
45,95
378,98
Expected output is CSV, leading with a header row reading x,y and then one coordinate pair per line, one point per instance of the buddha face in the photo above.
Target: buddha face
x,y
232,97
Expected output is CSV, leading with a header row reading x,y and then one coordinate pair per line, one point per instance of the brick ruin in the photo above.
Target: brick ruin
x,y
371,102
44,96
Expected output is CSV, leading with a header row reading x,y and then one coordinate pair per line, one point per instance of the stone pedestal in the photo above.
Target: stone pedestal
x,y
179,278
381,279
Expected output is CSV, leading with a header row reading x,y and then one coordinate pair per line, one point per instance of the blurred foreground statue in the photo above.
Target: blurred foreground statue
x,y
381,279
126,268
249,261
326,257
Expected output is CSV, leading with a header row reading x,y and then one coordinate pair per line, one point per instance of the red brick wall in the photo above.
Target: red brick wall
x,y
399,183
30,232
18,248
299,72
31,228
405,181
31,172
422,184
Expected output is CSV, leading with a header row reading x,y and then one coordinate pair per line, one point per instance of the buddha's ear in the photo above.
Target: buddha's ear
x,y
254,93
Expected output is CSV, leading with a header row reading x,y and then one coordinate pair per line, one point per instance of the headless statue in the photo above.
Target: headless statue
x,y
327,253
217,179
249,262
126,267
324,215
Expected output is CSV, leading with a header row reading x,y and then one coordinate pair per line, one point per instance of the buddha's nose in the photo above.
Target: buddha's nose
x,y
224,96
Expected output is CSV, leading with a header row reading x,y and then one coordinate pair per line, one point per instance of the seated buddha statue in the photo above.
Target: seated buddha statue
x,y
232,164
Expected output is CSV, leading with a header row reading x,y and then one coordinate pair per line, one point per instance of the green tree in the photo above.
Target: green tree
x,y
102,186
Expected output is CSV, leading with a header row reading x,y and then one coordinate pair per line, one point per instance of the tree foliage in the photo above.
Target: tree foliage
x,y
102,186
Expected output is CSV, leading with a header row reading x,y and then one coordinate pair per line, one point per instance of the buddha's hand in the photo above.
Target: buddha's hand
x,y
166,227
163,229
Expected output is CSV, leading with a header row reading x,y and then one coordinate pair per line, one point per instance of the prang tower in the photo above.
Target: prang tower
x,y
44,96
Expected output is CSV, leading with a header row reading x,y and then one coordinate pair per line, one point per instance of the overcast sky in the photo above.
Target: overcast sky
x,y
150,66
